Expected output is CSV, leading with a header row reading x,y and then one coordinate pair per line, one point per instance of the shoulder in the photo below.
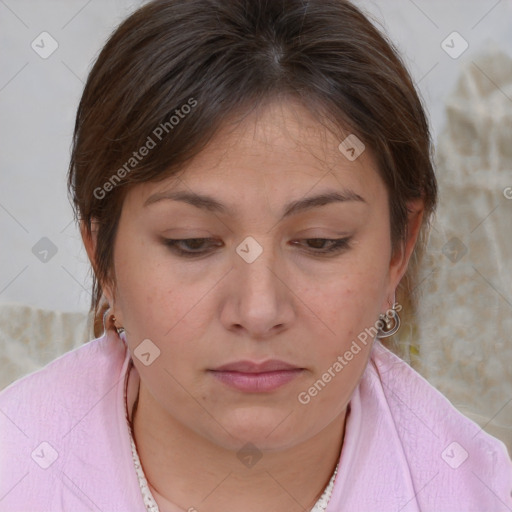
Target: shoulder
x,y
63,388
439,441
73,370
63,443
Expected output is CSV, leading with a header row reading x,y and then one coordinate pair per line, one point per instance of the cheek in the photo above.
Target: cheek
x,y
142,282
159,302
347,306
348,310
356,290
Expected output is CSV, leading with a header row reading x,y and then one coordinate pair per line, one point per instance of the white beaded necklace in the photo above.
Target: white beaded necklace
x,y
149,500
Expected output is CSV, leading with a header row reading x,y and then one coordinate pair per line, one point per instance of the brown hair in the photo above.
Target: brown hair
x,y
185,68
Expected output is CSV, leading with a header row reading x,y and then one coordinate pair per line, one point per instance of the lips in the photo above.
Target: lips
x,y
271,365
253,377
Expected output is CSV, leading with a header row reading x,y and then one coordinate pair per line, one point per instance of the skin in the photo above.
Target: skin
x,y
291,304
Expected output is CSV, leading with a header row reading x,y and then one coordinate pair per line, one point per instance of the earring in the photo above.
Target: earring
x,y
388,326
118,329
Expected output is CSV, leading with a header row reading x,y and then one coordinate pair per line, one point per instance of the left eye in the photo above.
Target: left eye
x,y
195,246
336,244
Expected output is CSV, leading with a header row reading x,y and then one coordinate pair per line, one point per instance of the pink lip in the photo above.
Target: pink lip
x,y
254,377
271,365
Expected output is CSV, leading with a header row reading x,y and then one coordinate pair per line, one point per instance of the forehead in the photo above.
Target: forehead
x,y
281,145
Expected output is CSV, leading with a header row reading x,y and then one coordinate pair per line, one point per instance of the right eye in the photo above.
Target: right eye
x,y
193,244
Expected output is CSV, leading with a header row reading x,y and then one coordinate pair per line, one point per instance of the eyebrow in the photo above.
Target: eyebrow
x,y
211,204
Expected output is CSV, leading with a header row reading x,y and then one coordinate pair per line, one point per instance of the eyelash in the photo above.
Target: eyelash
x,y
338,245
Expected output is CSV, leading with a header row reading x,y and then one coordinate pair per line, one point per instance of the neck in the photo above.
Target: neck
x,y
208,477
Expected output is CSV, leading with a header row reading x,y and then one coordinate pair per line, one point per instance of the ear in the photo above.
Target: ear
x,y
400,258
90,242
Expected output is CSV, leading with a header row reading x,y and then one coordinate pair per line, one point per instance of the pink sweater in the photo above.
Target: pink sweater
x,y
65,446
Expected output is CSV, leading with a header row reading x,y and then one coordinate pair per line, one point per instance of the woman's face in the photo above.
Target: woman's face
x,y
261,288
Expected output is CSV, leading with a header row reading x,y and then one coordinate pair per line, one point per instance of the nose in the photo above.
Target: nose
x,y
260,301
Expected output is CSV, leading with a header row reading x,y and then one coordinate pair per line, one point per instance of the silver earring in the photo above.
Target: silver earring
x,y
118,329
388,326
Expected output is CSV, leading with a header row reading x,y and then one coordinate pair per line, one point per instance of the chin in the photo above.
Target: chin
x,y
266,428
